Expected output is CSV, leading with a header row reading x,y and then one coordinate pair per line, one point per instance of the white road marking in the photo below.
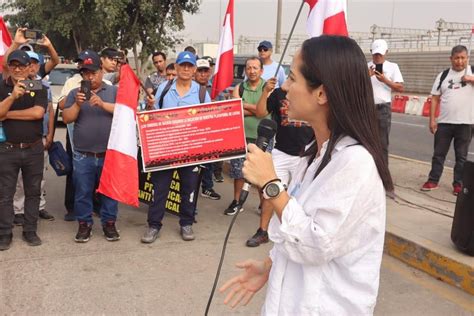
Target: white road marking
x,y
410,124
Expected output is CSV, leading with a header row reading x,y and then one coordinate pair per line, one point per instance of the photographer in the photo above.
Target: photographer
x,y
22,111
44,41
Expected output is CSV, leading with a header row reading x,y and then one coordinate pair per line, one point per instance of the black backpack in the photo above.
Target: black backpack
x,y
202,93
445,74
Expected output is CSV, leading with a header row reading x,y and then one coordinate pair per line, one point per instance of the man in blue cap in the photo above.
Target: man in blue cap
x,y
182,91
48,129
265,50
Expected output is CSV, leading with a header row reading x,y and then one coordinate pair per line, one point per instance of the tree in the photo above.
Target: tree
x,y
128,24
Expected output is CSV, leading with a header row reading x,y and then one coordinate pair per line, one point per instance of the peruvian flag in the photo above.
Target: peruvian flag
x,y
119,179
224,70
5,40
326,17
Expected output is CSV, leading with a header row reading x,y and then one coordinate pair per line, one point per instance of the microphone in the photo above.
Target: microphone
x,y
265,132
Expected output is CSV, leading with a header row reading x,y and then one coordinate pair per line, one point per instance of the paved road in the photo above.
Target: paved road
x,y
410,137
169,277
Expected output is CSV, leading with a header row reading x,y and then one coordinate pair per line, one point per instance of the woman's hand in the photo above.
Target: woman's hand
x,y
249,282
258,167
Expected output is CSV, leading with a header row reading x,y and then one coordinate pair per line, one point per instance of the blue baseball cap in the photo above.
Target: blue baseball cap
x,y
266,44
186,57
85,54
33,55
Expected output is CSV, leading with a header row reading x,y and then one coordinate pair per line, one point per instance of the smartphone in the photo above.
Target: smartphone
x,y
32,85
86,88
34,34
379,68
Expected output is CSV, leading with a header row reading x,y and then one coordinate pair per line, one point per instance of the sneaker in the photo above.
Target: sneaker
x,y
69,216
218,177
84,232
31,238
211,194
429,186
233,208
110,231
187,233
150,235
45,215
5,241
457,188
19,219
259,238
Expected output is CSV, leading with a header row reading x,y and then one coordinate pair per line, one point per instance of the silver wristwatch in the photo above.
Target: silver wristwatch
x,y
273,189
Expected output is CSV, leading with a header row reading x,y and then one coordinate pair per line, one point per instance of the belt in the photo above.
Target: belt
x,y
91,154
24,145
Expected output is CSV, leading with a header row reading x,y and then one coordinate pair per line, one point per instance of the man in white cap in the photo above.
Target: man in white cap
x,y
386,77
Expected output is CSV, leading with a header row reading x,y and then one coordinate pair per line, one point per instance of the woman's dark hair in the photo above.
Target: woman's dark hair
x,y
338,63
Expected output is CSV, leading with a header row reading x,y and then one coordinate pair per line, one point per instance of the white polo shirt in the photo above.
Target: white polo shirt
x,y
457,98
382,92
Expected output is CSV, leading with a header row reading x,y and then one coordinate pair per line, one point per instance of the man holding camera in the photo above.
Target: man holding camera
x,y
21,110
386,77
91,108
24,36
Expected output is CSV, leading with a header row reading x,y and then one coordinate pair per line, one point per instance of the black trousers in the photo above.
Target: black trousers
x,y
188,185
31,162
461,134
384,111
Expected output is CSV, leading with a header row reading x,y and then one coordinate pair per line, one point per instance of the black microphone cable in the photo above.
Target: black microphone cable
x,y
266,131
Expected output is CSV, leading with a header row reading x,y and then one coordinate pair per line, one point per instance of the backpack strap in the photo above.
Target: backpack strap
x,y
241,89
202,94
165,91
443,76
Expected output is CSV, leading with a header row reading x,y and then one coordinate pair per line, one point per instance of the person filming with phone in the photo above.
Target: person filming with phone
x,y
21,112
386,77
91,108
328,235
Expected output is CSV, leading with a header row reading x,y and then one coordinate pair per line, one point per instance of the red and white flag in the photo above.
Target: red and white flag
x,y
119,179
5,40
224,69
326,17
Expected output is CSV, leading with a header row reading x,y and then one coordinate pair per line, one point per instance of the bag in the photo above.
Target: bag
x,y
59,159
3,137
462,231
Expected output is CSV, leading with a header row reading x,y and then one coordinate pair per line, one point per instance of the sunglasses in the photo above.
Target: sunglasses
x,y
17,66
262,49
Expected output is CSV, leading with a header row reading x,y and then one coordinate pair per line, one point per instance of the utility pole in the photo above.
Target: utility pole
x,y
278,28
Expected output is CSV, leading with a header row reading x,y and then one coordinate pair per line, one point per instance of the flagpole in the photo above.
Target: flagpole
x,y
289,38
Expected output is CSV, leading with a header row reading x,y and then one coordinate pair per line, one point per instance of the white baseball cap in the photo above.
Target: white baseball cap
x,y
379,46
202,63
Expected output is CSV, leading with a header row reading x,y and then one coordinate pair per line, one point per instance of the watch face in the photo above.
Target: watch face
x,y
272,190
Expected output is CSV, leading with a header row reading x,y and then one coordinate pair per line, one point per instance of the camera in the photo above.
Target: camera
x,y
33,34
32,85
86,88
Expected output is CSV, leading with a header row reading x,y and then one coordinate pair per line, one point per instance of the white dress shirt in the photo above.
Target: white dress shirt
x,y
328,247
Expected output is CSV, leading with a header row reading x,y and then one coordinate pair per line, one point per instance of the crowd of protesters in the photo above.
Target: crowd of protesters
x,y
28,123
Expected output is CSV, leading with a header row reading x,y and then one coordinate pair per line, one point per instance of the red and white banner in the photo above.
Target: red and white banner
x,y
119,179
224,69
326,17
191,135
5,40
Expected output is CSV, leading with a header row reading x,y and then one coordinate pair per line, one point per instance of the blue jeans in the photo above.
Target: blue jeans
x,y
86,174
207,172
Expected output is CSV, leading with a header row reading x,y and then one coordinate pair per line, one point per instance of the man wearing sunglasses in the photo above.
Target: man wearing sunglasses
x,y
265,50
21,110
